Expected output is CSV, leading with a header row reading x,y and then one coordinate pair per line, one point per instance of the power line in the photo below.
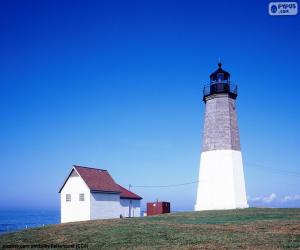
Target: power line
x,y
286,172
166,186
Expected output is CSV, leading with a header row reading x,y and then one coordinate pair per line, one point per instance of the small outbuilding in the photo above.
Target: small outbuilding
x,y
159,207
91,193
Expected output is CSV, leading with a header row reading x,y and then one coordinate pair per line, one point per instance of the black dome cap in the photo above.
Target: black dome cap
x,y
214,75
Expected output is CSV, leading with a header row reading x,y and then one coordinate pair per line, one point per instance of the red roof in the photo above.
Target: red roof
x,y
126,194
99,180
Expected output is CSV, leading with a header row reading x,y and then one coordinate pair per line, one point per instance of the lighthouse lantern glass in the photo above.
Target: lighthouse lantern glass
x,y
220,77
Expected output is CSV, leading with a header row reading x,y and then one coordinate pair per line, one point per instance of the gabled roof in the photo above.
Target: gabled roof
x,y
126,194
99,180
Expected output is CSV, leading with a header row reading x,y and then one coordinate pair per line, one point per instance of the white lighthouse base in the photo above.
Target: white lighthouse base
x,y
221,181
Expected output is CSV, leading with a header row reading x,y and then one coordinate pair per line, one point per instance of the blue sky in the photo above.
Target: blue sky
x,y
118,85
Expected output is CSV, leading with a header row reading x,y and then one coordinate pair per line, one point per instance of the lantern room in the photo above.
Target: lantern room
x,y
219,84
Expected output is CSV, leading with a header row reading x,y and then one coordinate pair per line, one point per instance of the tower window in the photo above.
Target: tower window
x,y
81,197
68,197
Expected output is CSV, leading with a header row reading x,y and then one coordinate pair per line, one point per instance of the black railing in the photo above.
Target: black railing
x,y
219,88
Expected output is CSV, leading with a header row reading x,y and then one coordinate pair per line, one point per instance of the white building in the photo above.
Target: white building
x,y
90,193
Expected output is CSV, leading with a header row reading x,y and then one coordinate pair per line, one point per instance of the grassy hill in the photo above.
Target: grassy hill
x,y
248,228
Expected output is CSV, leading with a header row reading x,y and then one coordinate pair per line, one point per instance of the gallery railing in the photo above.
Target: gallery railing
x,y
219,88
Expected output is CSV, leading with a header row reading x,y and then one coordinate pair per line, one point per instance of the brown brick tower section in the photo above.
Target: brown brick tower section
x,y
220,124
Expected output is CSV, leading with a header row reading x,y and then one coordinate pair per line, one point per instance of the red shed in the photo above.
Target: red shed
x,y
159,207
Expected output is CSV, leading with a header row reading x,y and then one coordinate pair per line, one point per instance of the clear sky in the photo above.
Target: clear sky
x,y
118,85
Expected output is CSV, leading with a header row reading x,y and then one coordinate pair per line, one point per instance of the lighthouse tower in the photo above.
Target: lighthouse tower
x,y
221,177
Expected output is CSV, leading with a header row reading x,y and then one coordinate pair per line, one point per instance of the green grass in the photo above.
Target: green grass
x,y
252,228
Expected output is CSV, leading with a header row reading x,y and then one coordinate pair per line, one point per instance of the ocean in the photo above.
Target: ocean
x,y
11,221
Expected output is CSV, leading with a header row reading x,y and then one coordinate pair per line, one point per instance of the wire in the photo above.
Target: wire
x,y
287,172
291,173
166,186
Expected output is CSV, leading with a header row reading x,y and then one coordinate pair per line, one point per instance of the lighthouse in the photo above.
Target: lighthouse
x,y
221,177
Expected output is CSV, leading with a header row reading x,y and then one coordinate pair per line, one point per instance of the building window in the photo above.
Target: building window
x,y
81,197
68,197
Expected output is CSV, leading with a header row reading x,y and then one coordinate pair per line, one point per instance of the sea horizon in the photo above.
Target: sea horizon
x,y
12,220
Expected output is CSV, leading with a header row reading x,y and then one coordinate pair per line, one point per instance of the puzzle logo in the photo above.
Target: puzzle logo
x,y
283,8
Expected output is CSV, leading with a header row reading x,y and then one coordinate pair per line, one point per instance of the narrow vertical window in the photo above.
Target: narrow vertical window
x,y
81,197
68,197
